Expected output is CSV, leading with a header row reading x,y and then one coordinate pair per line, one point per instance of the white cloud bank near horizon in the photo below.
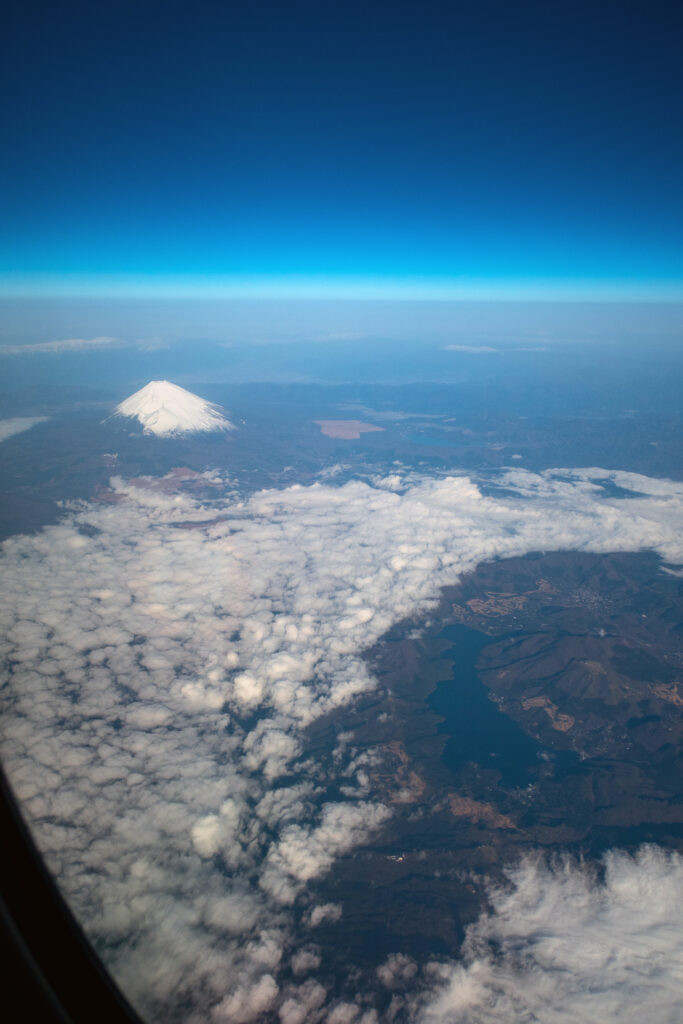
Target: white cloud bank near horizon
x,y
63,345
483,350
163,659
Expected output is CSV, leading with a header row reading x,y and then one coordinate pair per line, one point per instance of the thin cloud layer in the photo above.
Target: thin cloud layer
x,y
474,349
164,658
18,424
482,350
64,345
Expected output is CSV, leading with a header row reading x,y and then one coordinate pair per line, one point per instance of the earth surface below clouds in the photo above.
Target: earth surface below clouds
x,y
533,706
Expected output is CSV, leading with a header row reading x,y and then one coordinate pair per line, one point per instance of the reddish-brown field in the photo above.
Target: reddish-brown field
x,y
347,430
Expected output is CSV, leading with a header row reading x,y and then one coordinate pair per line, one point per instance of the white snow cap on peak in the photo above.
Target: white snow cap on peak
x,y
166,410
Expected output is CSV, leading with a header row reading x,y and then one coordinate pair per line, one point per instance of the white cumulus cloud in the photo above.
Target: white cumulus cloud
x,y
561,946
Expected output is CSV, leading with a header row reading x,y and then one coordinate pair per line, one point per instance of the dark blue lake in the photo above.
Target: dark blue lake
x,y
477,731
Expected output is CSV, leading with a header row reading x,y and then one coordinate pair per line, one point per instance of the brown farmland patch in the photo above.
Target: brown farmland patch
x,y
346,430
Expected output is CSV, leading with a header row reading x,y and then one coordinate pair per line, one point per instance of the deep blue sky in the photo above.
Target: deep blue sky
x,y
476,149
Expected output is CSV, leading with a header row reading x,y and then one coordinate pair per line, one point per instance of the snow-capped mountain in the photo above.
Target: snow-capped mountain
x,y
167,410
